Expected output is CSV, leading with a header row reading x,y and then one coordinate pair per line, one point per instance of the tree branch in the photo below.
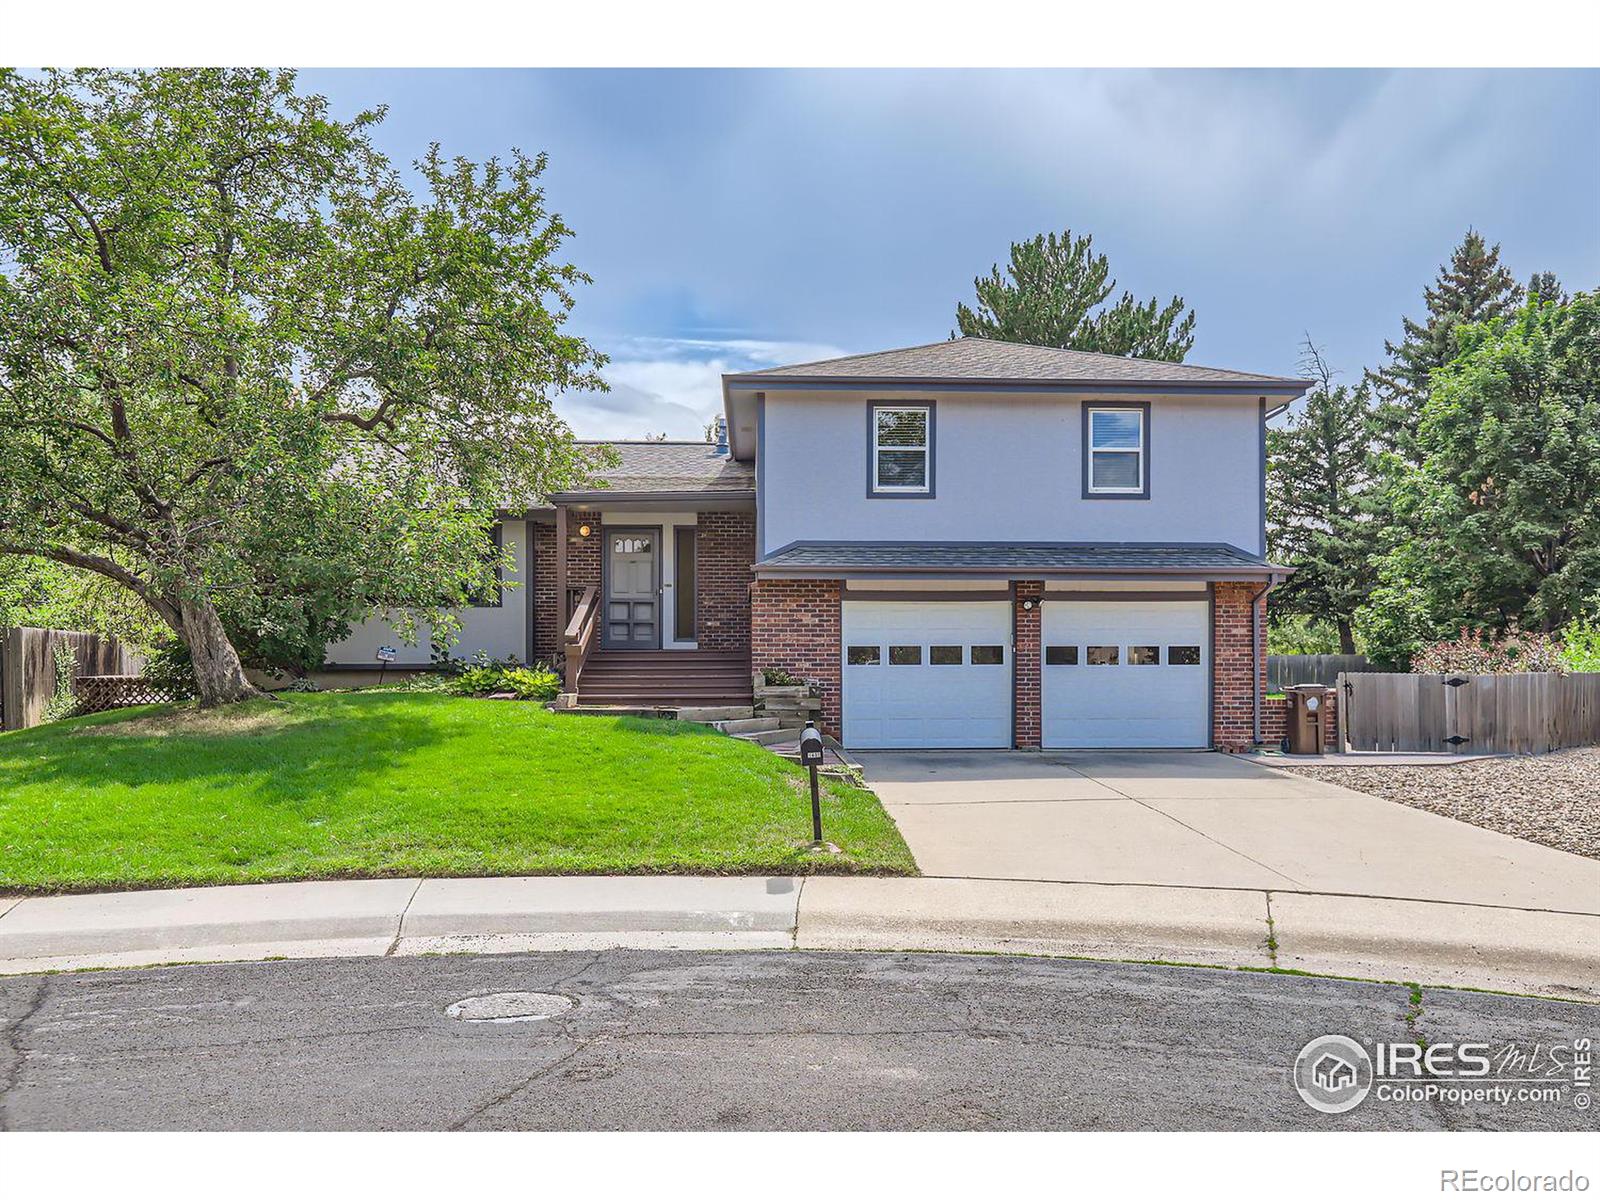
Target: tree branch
x,y
108,568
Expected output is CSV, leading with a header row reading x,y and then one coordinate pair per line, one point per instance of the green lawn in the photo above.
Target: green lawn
x,y
369,784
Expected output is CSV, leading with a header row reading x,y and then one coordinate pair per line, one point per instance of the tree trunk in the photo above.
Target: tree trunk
x,y
218,674
1347,637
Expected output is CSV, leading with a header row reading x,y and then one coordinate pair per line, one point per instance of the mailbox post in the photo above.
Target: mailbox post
x,y
811,758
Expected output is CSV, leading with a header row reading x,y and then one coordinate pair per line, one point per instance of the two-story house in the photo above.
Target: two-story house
x,y
966,544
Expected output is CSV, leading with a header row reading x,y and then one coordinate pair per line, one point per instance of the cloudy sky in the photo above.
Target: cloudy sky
x,y
735,219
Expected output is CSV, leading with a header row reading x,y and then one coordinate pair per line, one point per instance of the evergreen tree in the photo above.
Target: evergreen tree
x,y
1319,484
1054,293
1472,287
1506,500
1548,288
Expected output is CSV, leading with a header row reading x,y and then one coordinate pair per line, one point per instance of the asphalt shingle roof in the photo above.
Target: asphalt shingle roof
x,y
675,467
1057,557
979,359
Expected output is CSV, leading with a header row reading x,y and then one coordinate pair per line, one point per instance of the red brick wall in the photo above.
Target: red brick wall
x,y
794,624
725,546
545,634
1275,721
1236,674
583,569
1025,658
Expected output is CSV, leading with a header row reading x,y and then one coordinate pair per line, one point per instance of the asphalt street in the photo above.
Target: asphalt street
x,y
725,1041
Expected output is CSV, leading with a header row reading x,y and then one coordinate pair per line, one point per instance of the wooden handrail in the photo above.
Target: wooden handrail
x,y
578,638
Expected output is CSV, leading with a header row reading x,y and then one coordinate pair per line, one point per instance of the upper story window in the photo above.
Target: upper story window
x,y
1116,451
902,450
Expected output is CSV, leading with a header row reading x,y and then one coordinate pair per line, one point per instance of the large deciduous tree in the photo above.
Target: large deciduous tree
x,y
1054,292
1506,498
1319,488
251,377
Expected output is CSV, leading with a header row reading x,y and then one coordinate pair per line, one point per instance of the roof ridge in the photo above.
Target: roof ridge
x,y
1045,363
1114,357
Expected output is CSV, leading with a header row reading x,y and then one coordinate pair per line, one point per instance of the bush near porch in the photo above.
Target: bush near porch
x,y
389,783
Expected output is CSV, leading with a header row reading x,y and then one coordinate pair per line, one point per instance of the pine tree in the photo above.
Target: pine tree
x,y
1473,287
1319,484
1548,288
1052,295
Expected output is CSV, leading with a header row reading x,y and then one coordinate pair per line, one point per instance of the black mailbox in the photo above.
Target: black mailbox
x,y
810,746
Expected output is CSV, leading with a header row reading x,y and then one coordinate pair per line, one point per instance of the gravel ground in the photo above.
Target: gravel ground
x,y
1552,799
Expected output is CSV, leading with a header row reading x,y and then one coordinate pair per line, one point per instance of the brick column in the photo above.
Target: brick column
x,y
1236,675
794,624
583,569
1025,661
725,546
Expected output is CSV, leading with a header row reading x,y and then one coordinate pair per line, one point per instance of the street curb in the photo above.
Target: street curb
x,y
1427,942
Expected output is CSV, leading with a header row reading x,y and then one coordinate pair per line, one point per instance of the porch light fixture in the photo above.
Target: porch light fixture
x,y
583,531
1029,605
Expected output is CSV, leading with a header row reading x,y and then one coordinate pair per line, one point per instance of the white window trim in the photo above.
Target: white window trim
x,y
1138,488
879,488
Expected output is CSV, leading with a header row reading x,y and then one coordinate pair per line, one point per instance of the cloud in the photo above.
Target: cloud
x,y
672,385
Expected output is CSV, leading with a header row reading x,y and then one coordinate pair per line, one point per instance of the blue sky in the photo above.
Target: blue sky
x,y
745,218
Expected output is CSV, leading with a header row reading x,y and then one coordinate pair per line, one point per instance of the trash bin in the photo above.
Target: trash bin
x,y
1308,710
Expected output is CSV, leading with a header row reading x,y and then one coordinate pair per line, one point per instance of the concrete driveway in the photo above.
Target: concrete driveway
x,y
1190,819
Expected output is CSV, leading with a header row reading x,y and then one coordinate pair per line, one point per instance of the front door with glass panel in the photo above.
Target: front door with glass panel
x,y
633,589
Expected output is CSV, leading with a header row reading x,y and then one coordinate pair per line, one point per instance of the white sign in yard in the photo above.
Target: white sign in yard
x,y
386,654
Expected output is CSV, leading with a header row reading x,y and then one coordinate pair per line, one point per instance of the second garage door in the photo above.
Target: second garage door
x,y
927,674
1126,673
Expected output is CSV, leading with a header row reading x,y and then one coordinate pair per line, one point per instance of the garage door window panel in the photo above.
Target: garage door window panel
x,y
1104,656
1144,656
1183,656
1060,656
905,656
862,656
944,656
988,656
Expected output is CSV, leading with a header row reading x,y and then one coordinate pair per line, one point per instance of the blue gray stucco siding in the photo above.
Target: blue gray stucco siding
x,y
1009,468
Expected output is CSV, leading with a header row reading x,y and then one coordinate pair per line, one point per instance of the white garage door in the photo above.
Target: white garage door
x,y
1126,673
927,673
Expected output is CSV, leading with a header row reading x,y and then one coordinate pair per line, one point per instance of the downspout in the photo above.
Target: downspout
x,y
1256,682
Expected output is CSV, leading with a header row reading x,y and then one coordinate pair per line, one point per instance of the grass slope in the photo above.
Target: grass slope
x,y
344,785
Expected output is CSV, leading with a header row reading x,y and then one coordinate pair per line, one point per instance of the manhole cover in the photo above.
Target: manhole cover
x,y
502,1007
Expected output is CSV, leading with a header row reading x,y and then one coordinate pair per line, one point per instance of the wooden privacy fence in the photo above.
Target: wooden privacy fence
x,y
28,668
1285,670
1470,714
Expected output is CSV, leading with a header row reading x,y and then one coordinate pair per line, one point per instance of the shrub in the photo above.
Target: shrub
x,y
1476,652
64,699
778,677
171,669
486,678
1580,645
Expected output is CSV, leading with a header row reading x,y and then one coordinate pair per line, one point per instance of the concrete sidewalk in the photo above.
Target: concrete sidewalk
x,y
1551,953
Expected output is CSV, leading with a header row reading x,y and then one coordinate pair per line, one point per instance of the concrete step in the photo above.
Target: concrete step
x,y
747,725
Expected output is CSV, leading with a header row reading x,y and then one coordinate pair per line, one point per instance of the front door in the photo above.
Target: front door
x,y
633,589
